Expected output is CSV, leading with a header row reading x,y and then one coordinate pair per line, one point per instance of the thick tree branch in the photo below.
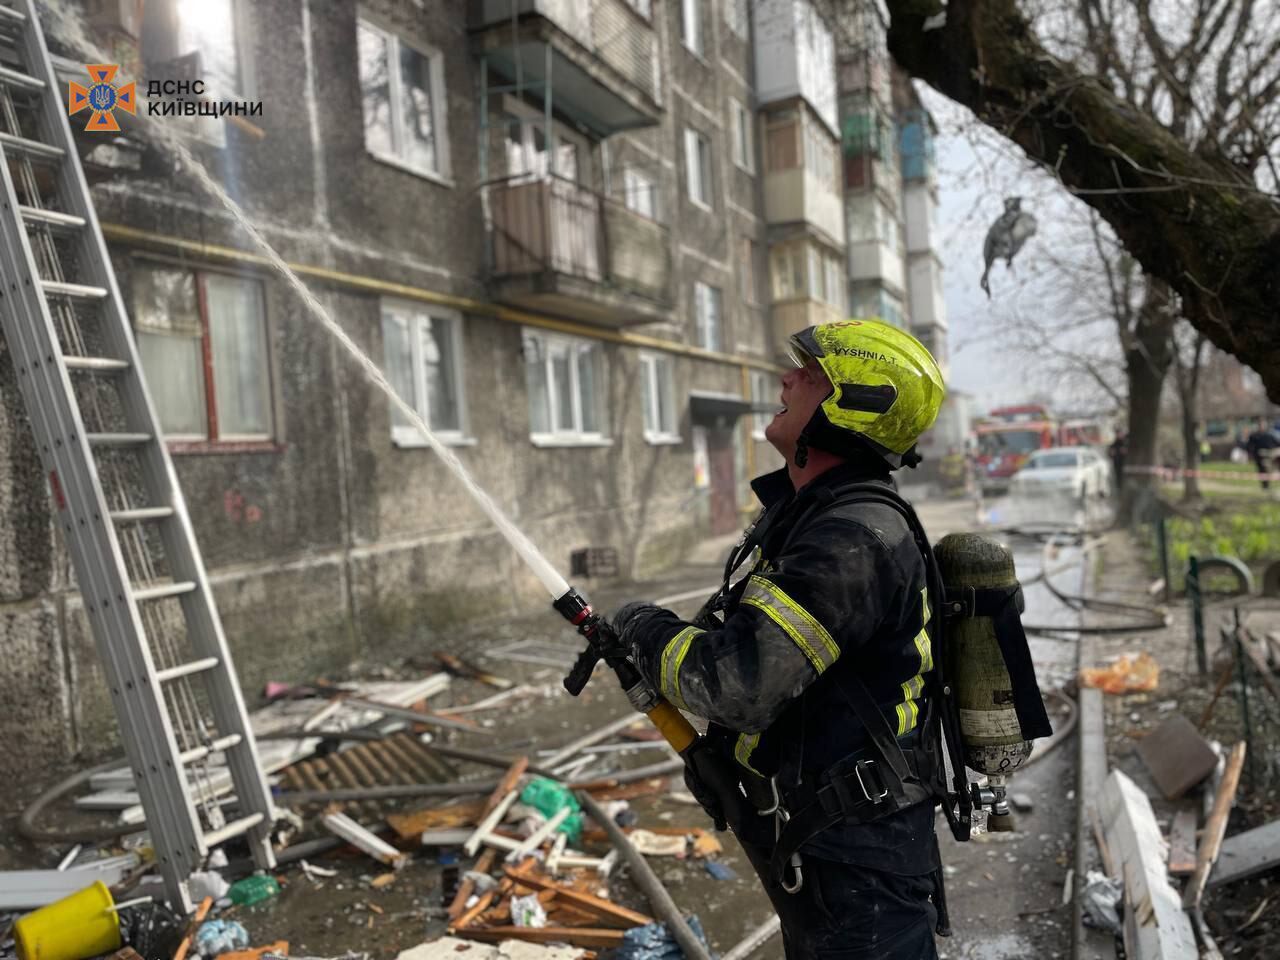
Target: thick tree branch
x,y
1177,211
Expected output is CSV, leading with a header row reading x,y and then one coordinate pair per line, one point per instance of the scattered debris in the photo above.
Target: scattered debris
x,y
452,948
1177,756
1182,844
527,911
1130,673
216,937
207,883
27,889
251,890
1247,854
654,845
461,668
1214,828
74,927
657,942
1101,902
1155,927
720,871
1022,802
343,826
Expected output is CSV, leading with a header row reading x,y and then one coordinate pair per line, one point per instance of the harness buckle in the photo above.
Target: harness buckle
x,y
961,602
870,767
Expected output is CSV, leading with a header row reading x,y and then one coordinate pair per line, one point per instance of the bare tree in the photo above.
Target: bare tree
x,y
1187,355
1162,115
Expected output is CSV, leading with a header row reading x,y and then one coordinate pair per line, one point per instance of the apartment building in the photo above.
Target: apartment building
x,y
574,233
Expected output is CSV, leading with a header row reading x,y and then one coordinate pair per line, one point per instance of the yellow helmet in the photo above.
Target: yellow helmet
x,y
887,388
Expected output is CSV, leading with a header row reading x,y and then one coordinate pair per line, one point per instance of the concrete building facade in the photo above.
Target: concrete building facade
x,y
573,233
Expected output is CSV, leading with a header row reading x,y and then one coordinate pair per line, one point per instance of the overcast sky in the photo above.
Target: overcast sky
x,y
976,171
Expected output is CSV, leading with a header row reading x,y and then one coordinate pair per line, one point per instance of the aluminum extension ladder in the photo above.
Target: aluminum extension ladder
x,y
118,503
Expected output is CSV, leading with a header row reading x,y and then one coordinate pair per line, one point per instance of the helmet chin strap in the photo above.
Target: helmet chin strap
x,y
802,451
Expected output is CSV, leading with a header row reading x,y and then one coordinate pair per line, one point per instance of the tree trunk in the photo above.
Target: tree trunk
x,y
1148,353
1185,215
1190,446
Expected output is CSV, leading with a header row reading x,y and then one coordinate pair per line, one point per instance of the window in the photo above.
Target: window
x,y
640,193
642,7
697,167
708,318
782,142
737,16
817,289
747,269
835,281
183,40
422,351
820,154
657,397
565,379
691,24
740,127
402,89
764,389
528,147
189,324
787,266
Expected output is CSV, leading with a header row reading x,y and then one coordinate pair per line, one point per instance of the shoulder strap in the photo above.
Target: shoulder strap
x,y
943,723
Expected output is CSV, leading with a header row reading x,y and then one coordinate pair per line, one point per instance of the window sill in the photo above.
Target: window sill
x,y
208,447
412,440
701,204
568,440
744,168
698,55
393,161
663,439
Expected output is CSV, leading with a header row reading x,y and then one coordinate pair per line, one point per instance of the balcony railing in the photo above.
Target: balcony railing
x,y
585,249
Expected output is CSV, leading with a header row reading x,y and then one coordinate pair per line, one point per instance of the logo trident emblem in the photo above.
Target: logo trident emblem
x,y
102,97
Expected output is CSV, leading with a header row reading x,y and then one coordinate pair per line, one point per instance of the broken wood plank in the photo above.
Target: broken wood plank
x,y
468,886
343,826
1182,844
415,716
481,905
536,838
1137,847
1247,854
506,785
606,909
462,668
185,943
409,826
1177,756
1215,827
578,936
486,826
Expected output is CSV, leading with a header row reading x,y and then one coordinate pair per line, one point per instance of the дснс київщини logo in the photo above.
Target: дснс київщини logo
x,y
102,97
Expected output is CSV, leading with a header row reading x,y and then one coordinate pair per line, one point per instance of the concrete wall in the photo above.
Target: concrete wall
x,y
355,546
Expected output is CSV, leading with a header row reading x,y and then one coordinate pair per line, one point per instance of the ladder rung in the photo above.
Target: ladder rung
x,y
186,669
13,78
12,16
57,288
32,148
140,514
96,364
233,829
51,218
163,590
217,746
117,439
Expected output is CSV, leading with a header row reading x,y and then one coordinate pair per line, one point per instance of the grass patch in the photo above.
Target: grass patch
x,y
1244,527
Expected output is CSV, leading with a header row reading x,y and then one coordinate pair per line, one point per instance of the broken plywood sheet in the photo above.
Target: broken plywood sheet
x,y
1156,926
114,788
1247,854
453,948
1177,756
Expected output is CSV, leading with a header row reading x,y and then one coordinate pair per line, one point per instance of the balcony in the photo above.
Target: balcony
x,y
792,316
599,57
560,248
872,260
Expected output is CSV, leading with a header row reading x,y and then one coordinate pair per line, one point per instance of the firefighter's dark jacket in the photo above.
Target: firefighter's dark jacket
x,y
837,586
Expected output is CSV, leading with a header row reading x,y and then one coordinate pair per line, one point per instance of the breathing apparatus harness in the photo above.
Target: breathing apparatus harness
x,y
867,789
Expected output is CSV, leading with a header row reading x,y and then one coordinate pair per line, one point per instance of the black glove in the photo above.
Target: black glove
x,y
631,616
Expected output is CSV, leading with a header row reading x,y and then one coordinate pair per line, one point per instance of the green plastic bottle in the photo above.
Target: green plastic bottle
x,y
251,890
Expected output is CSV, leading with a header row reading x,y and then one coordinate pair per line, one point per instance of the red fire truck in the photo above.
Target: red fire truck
x,y
1006,437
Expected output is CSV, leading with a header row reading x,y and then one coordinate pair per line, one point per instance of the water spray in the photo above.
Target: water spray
x,y
602,641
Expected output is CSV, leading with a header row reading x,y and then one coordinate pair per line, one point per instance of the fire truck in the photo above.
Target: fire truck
x,y
1006,437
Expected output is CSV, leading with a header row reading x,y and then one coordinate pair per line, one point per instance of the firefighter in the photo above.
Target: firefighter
x,y
812,662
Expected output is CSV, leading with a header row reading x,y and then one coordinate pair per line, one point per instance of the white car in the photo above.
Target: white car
x,y
1077,472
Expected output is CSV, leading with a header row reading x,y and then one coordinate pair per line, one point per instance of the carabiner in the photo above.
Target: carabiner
x,y
795,863
777,799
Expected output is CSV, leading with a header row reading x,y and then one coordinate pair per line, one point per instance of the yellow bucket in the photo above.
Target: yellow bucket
x,y
81,925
